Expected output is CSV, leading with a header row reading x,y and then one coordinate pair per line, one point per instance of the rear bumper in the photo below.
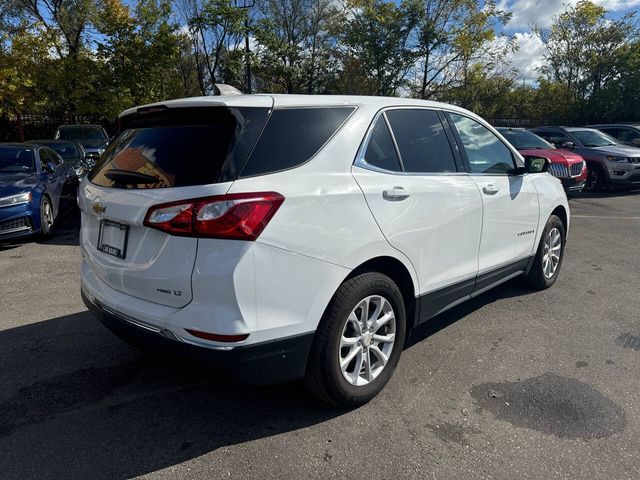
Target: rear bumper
x,y
275,361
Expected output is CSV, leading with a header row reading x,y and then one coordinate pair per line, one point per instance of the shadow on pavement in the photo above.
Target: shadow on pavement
x,y
510,289
608,193
76,402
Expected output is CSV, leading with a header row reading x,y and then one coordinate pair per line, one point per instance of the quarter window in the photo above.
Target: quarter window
x,y
422,141
292,136
381,152
485,152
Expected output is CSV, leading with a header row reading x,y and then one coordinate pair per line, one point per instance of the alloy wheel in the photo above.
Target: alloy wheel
x,y
551,253
367,340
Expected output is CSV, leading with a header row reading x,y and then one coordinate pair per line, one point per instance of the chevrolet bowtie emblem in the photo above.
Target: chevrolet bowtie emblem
x,y
99,208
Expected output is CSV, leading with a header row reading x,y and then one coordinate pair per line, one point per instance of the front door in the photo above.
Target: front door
x,y
509,200
424,205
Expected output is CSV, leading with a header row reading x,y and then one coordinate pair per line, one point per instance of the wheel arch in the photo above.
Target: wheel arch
x,y
401,275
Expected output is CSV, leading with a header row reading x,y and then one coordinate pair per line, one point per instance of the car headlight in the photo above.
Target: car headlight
x,y
19,199
613,158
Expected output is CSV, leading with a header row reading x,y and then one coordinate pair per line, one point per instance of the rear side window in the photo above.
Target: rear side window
x,y
180,148
422,141
381,152
292,136
556,138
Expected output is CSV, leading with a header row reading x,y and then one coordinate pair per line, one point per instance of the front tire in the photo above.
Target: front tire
x,y
358,342
595,178
46,218
548,260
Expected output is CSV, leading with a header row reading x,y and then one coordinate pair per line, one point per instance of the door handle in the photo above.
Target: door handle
x,y
395,193
490,189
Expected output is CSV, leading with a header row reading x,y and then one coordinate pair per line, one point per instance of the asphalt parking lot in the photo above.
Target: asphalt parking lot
x,y
511,385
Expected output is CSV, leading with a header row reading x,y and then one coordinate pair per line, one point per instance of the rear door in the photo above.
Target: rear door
x,y
424,205
510,201
162,155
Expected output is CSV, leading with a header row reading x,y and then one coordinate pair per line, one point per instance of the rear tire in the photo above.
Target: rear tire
x,y
548,260
358,342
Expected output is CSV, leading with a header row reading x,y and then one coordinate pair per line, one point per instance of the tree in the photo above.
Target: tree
x,y
585,51
452,36
295,43
215,27
376,36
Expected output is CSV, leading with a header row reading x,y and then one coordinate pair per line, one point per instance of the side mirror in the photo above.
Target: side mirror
x,y
534,164
567,145
50,167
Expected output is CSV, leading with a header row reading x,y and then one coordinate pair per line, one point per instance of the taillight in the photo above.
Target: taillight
x,y
240,216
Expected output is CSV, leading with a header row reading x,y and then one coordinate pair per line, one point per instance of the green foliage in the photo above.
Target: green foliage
x,y
375,38
99,57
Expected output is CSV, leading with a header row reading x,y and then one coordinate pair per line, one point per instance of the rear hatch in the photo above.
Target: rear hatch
x,y
162,154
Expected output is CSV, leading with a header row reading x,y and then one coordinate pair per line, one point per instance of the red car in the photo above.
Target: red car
x,y
568,166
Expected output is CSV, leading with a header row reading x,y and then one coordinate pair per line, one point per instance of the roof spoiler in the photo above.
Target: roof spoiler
x,y
224,89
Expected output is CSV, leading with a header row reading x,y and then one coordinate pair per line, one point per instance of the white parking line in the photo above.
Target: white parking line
x,y
605,216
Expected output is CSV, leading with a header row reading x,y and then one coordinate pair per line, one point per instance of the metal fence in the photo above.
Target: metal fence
x,y
517,122
28,126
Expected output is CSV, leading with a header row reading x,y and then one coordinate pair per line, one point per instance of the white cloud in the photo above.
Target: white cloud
x,y
541,12
529,56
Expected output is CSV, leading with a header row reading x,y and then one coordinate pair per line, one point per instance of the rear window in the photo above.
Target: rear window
x,y
292,136
82,133
179,148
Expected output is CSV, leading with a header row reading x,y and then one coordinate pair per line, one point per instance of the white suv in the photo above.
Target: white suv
x,y
286,237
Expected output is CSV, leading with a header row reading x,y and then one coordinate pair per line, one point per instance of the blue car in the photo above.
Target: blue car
x,y
33,182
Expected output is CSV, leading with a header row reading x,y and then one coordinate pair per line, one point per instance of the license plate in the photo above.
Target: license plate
x,y
112,238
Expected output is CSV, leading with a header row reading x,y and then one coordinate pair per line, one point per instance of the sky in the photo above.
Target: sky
x,y
541,12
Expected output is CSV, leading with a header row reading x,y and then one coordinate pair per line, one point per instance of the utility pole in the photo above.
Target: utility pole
x,y
246,5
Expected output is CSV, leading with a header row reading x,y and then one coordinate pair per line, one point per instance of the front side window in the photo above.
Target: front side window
x,y
422,141
485,152
45,159
380,151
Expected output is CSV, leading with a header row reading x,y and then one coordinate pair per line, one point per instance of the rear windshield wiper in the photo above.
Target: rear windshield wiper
x,y
126,177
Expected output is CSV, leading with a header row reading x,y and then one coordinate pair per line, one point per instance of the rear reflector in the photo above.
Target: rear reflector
x,y
239,216
217,337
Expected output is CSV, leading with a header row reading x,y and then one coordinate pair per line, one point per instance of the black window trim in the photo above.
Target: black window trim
x,y
514,155
360,155
353,108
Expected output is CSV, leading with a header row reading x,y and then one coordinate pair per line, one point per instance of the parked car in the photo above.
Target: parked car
x,y
626,133
609,163
33,180
71,152
315,233
93,138
569,167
